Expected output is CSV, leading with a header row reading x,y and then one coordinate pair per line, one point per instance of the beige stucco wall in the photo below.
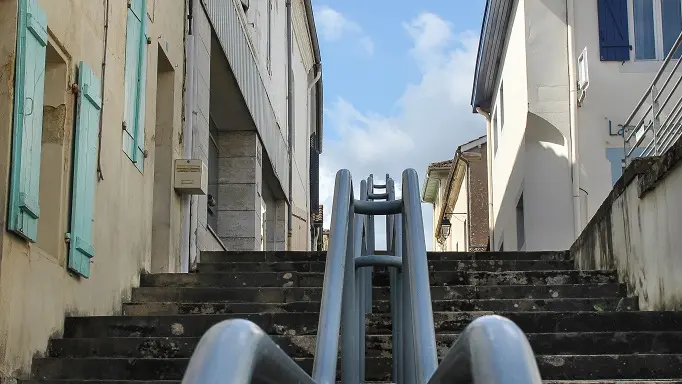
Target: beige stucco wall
x,y
36,291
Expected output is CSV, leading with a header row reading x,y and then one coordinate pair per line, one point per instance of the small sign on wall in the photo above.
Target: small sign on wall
x,y
191,177
583,76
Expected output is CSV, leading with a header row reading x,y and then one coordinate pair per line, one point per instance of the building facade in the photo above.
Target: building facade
x,y
554,80
258,98
458,192
98,100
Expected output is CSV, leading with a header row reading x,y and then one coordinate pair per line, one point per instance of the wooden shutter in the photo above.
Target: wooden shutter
x,y
135,81
81,249
23,209
614,41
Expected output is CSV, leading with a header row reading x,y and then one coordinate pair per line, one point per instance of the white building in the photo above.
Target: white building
x,y
555,150
258,97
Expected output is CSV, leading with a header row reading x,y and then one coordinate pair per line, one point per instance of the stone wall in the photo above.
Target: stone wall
x,y
636,232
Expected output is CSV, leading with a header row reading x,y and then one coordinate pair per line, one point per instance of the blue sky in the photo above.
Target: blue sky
x,y
397,82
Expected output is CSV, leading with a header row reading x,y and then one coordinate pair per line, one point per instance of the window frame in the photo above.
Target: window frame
x,y
268,57
660,54
493,126
212,212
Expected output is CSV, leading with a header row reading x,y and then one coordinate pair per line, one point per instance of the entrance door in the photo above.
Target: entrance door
x,y
263,221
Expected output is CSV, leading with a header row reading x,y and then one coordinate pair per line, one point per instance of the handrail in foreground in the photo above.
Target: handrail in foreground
x,y
490,350
238,351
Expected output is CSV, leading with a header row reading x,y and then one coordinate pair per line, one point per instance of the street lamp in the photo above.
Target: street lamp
x,y
445,227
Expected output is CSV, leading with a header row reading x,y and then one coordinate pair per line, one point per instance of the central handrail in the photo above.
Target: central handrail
x,y
491,350
346,292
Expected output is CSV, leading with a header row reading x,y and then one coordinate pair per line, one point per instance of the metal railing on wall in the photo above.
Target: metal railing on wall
x,y
656,122
490,350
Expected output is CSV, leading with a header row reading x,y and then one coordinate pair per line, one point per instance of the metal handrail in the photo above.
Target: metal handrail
x,y
238,351
649,136
491,350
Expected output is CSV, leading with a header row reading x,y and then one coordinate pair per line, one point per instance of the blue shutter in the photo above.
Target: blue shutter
x,y
614,42
84,171
23,209
135,81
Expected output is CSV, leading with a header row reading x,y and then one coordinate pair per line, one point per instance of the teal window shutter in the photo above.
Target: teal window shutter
x,y
29,84
135,81
84,171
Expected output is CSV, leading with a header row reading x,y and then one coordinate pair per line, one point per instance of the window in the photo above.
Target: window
x,y
520,225
493,128
466,236
501,106
656,26
268,61
135,82
212,203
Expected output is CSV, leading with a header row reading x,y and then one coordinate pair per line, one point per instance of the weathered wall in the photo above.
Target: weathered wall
x,y
36,291
478,201
636,232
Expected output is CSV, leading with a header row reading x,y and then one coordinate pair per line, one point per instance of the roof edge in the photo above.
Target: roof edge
x,y
494,27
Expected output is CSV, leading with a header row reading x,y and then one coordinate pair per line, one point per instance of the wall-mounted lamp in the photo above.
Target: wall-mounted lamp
x,y
445,227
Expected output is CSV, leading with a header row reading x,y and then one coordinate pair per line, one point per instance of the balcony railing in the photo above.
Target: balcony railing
x,y
656,122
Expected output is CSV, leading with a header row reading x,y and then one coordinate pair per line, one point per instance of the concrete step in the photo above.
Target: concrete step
x,y
281,295
434,265
552,367
383,306
315,279
306,323
252,256
377,345
368,382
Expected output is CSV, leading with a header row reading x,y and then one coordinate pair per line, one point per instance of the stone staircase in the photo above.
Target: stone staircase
x,y
581,325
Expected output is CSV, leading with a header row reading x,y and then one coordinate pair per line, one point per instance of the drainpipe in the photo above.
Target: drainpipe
x,y
187,134
290,122
489,154
573,110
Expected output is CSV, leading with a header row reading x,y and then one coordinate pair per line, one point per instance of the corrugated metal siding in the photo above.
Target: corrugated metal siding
x,y
230,27
302,33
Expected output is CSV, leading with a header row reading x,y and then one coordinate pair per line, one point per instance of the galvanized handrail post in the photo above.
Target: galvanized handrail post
x,y
422,334
329,324
360,279
349,325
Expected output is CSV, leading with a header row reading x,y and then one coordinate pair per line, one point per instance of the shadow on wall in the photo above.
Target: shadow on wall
x,y
541,177
549,208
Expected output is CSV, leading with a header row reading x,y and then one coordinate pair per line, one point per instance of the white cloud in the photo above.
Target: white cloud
x,y
334,26
433,116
